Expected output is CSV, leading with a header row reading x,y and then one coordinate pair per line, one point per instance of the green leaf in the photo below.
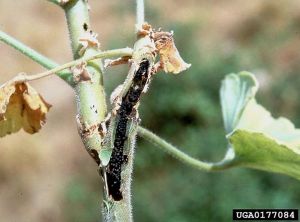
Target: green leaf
x,y
255,150
256,138
236,91
256,118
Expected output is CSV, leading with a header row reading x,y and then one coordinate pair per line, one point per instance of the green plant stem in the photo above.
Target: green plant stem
x,y
183,157
77,16
140,13
100,55
35,56
90,95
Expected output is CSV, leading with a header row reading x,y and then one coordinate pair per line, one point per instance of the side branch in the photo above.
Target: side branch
x,y
183,157
100,55
35,56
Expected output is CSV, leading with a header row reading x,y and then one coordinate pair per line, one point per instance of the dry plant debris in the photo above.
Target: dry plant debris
x,y
170,59
21,106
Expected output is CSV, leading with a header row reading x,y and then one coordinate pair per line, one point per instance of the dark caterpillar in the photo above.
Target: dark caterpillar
x,y
123,115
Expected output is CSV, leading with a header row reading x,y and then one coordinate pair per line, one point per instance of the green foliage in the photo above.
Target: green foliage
x,y
236,92
259,141
261,152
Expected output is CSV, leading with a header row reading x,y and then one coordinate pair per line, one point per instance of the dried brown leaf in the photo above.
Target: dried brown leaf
x,y
170,59
21,107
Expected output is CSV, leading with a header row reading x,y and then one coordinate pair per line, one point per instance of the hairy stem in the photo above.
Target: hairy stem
x,y
77,16
119,172
100,55
90,95
35,56
183,157
123,128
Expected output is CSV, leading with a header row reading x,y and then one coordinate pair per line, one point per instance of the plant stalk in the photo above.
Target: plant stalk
x,y
90,95
100,55
140,14
120,209
183,157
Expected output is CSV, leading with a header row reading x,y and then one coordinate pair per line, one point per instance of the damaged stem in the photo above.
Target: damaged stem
x,y
123,129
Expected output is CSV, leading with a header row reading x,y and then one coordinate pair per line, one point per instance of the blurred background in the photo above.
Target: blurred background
x,y
50,177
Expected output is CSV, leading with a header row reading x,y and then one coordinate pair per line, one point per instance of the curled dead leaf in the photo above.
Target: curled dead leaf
x,y
21,107
170,59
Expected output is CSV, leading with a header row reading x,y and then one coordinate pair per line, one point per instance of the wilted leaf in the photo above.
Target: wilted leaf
x,y
259,141
21,107
5,92
170,59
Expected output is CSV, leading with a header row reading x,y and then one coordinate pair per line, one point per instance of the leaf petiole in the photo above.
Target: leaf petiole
x,y
105,54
